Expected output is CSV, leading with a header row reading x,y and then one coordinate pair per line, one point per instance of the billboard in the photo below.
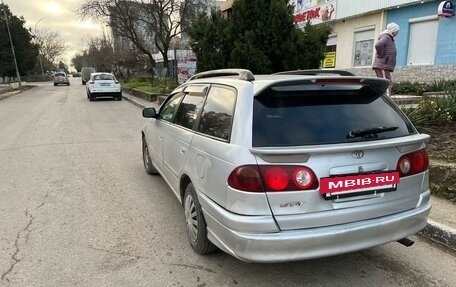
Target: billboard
x,y
314,11
186,65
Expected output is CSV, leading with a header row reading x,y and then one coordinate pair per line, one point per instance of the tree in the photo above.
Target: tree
x,y
26,52
51,45
150,25
98,54
208,33
260,36
63,67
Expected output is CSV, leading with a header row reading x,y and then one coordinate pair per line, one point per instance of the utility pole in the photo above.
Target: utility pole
x,y
12,46
39,49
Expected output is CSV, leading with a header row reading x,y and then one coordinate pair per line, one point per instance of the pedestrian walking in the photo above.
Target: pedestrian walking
x,y
385,58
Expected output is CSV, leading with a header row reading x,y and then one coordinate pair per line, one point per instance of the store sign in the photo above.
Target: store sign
x,y
446,9
313,11
330,60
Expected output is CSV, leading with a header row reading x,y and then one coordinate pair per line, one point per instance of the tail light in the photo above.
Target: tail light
x,y
91,82
261,178
116,81
413,163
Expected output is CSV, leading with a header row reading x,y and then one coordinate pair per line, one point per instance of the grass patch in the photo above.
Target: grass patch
x,y
152,86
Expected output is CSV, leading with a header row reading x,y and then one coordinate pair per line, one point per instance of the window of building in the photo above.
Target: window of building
x,y
218,113
364,48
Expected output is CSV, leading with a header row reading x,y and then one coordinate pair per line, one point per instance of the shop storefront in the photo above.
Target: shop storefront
x,y
425,43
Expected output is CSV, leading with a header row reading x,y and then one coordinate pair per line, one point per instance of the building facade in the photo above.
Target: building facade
x,y
424,44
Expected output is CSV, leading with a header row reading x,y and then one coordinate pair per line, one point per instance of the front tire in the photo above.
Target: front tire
x,y
148,165
196,225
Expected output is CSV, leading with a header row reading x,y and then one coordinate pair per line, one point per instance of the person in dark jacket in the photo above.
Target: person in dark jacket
x,y
385,58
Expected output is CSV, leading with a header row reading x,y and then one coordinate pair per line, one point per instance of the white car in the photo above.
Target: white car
x,y
289,166
103,85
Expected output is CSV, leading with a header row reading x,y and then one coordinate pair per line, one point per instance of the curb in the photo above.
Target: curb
x,y
138,104
440,233
8,94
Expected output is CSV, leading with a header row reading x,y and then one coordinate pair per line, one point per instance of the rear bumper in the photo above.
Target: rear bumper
x,y
106,94
308,243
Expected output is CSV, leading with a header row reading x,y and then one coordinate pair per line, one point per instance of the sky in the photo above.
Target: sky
x,y
60,16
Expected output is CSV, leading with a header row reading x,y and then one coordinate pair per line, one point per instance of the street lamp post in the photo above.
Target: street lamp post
x,y
39,49
12,47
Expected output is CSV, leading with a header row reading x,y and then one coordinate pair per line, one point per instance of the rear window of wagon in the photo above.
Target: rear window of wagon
x,y
294,118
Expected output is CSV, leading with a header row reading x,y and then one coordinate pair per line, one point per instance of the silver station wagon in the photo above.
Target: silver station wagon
x,y
289,166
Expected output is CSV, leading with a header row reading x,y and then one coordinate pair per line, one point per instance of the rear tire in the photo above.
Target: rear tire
x,y
91,98
148,165
119,97
196,225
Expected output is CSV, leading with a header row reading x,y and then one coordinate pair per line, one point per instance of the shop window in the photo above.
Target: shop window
x,y
364,48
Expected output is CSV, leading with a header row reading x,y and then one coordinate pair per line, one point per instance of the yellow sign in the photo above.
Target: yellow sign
x,y
330,60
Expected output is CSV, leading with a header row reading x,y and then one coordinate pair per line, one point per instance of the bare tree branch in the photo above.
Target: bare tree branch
x,y
51,44
150,25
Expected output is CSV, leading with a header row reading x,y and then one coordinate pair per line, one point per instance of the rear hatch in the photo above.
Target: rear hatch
x,y
104,83
352,138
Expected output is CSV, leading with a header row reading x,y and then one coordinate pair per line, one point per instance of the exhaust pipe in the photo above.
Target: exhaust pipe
x,y
406,242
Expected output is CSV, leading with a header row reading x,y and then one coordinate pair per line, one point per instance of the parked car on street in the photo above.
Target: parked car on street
x,y
103,85
289,166
85,74
61,78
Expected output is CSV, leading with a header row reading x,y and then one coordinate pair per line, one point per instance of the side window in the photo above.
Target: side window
x,y
168,109
218,113
189,109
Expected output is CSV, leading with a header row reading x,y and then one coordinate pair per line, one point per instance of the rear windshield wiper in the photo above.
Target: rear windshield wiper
x,y
364,132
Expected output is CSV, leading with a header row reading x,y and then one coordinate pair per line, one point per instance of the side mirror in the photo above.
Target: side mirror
x,y
149,113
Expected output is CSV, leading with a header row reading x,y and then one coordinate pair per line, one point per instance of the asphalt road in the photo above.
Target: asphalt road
x,y
77,209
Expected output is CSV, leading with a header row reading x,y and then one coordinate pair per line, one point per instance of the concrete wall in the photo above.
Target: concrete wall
x,y
350,8
402,16
345,31
446,42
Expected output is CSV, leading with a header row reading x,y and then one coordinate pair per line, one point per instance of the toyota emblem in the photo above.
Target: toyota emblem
x,y
357,154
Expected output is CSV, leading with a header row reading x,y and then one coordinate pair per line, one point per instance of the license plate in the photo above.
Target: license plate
x,y
332,186
105,84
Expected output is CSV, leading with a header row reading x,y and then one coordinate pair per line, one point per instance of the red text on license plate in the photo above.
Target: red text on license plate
x,y
355,183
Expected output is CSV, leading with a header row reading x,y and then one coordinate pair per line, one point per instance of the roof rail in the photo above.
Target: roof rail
x,y
316,72
242,73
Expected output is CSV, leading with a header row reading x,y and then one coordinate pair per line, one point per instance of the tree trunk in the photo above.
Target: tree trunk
x,y
152,63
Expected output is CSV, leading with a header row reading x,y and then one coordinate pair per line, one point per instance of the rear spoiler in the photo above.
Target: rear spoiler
x,y
335,84
315,72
